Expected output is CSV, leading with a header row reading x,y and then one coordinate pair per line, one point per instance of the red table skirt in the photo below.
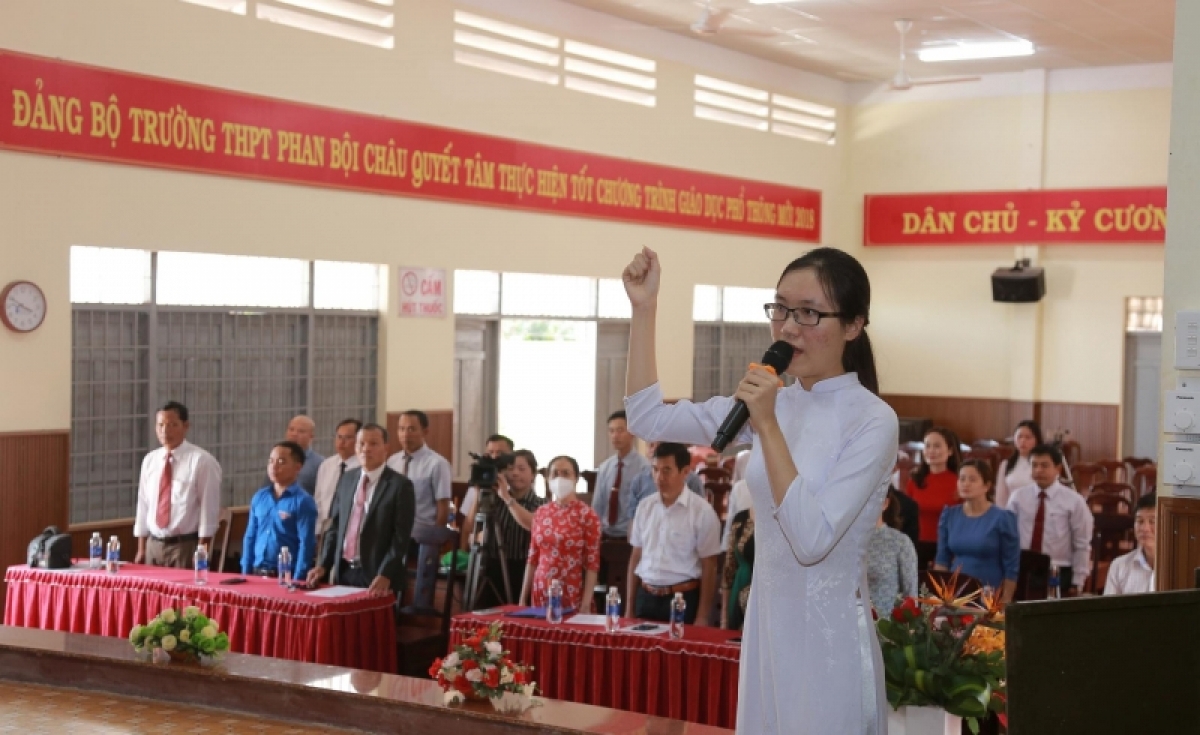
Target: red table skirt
x,y
693,679
259,616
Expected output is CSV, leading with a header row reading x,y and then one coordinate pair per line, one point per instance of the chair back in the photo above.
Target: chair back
x,y
991,456
718,496
1118,489
1136,463
1145,480
1033,577
985,444
1086,475
913,450
926,555
589,477
904,467
1102,503
224,523
1072,452
1112,536
1114,470
729,463
966,583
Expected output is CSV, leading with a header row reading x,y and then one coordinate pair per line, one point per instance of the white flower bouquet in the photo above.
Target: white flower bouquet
x,y
179,636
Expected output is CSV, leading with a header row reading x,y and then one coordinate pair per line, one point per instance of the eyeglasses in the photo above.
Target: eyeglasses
x,y
802,315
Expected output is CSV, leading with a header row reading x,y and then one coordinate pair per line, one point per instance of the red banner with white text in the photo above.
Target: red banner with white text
x,y
66,109
1052,217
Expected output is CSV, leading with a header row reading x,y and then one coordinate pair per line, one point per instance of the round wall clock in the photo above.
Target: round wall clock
x,y
24,306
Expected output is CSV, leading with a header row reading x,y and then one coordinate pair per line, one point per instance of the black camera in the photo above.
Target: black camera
x,y
485,472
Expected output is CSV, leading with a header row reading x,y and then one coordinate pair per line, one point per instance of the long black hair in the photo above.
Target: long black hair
x,y
952,462
846,285
1033,427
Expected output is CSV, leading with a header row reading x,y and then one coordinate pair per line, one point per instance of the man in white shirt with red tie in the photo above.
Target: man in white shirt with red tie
x,y
1054,520
179,495
613,500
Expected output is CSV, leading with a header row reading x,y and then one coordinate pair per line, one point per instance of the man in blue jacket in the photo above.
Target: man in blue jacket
x,y
281,514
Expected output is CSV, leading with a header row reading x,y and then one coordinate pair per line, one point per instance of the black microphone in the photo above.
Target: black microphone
x,y
778,356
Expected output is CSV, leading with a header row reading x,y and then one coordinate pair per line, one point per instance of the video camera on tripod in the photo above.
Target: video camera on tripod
x,y
485,476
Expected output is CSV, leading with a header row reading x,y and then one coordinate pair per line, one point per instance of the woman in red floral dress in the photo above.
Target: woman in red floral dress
x,y
565,544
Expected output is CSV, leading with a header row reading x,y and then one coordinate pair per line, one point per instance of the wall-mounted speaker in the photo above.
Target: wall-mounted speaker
x,y
1020,284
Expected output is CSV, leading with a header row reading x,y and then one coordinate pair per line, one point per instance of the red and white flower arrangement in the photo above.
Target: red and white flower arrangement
x,y
479,668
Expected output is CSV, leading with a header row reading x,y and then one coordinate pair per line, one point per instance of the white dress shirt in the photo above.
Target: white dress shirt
x,y
674,539
1130,574
328,475
1021,475
1067,527
195,493
430,475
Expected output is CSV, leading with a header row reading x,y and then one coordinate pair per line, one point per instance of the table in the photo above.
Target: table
x,y
261,618
693,679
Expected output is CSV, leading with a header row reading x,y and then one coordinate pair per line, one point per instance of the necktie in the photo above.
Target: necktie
x,y
407,459
162,516
341,472
1039,524
350,548
614,497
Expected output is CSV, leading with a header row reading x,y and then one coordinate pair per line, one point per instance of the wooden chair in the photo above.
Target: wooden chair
x,y
913,450
1103,503
990,456
904,466
966,583
1033,577
718,496
1072,452
715,474
1114,470
1119,489
1145,480
224,522
589,477
1112,536
1087,475
985,444
1136,463
423,634
926,555
729,463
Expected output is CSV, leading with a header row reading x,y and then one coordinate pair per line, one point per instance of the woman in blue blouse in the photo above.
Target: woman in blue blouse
x,y
978,537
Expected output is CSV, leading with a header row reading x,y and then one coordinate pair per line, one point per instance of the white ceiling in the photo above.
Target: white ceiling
x,y
855,40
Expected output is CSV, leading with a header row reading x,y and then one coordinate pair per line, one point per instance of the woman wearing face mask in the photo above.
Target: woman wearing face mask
x,y
934,485
565,545
1016,472
979,538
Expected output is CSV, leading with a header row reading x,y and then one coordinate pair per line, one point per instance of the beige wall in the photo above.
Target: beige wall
x,y
935,325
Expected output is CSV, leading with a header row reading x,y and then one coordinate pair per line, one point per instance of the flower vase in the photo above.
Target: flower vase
x,y
190,658
923,721
513,703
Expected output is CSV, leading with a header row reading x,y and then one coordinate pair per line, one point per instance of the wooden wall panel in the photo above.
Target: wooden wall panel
x,y
34,488
439,437
1178,542
1095,426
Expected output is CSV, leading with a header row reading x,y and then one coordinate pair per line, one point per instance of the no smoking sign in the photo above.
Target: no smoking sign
x,y
422,292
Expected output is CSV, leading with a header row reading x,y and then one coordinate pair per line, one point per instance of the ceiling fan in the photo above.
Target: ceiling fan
x,y
712,23
902,81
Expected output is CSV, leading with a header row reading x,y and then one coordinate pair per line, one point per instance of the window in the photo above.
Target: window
x,y
731,332
612,301
476,292
522,52
1143,314
536,294
757,109
242,371
237,7
361,21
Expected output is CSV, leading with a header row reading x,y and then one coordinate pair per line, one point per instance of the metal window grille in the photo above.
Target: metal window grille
x,y
241,375
721,354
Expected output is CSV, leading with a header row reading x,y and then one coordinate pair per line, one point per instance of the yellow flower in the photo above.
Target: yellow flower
x,y
168,643
984,640
947,594
168,616
185,635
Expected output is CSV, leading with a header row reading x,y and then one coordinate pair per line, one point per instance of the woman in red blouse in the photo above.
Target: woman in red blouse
x,y
566,543
934,484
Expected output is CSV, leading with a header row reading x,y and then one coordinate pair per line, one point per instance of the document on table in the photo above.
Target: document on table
x,y
647,629
587,620
336,591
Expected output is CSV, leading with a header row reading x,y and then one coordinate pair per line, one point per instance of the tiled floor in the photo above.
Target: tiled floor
x,y
35,710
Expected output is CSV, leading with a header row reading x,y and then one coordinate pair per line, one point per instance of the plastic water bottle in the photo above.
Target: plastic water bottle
x,y
1054,584
554,610
285,567
200,562
450,516
612,610
678,608
96,551
114,555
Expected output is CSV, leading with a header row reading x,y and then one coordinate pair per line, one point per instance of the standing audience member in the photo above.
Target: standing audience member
x,y
979,538
739,500
891,559
428,471
1133,573
179,495
496,446
934,484
281,515
565,543
738,573
1054,519
513,522
302,430
676,539
642,487
613,501
370,524
1016,471
330,473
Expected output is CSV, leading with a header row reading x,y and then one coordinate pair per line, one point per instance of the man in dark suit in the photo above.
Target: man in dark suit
x,y
371,521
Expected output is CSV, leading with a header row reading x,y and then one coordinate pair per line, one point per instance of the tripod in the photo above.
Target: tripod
x,y
489,551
